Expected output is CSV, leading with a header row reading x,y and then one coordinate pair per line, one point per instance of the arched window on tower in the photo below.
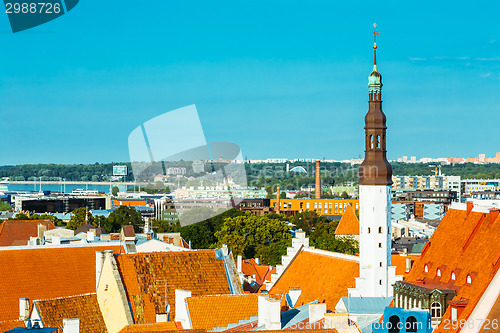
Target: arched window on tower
x,y
377,142
371,141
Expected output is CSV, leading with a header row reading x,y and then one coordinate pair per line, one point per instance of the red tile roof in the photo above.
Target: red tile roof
x,y
155,327
85,307
262,272
45,272
207,312
8,325
322,275
128,231
18,232
399,260
467,244
144,276
349,224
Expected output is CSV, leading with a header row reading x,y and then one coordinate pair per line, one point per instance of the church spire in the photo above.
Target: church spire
x,y
375,169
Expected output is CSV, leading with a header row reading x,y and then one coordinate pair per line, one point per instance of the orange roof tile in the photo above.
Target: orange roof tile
x,y
465,244
155,327
85,307
399,260
207,312
18,232
144,276
321,275
45,272
262,272
349,224
8,325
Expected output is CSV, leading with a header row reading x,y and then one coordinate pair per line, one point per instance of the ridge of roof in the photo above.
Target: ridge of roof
x,y
349,223
332,254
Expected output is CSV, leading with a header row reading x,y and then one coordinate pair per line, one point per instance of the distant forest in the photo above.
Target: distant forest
x,y
257,174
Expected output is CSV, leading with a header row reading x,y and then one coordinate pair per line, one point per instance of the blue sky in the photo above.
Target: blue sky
x,y
279,78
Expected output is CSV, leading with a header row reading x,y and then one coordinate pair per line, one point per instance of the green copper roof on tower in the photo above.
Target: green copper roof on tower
x,y
375,78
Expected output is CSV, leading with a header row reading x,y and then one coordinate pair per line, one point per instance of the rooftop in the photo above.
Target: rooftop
x,y
18,232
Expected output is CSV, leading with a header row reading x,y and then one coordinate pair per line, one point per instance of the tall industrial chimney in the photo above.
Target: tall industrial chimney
x,y
278,200
318,180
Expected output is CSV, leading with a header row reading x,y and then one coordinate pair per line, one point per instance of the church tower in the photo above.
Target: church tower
x,y
375,180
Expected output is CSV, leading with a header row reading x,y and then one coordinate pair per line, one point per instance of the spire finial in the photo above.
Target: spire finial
x,y
375,33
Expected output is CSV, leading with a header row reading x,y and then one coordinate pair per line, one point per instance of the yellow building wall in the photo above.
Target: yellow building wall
x,y
112,298
320,206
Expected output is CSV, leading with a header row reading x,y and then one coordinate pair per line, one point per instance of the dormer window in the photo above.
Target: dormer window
x,y
453,276
469,279
426,268
439,272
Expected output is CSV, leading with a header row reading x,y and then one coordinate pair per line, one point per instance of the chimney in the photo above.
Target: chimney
x,y
240,263
316,313
24,309
470,205
494,212
41,230
99,262
181,311
318,180
257,261
148,236
278,208
91,235
161,317
269,313
294,294
408,265
71,325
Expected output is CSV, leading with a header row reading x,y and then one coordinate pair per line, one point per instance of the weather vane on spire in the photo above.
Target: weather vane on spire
x,y
375,33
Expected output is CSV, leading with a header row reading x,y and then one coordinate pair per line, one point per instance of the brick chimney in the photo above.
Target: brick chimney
x,y
494,212
470,205
71,325
278,193
318,180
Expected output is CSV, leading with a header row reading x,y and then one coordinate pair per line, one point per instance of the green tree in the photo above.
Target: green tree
x,y
307,220
283,195
124,215
78,218
5,207
165,226
324,238
51,218
272,253
245,233
115,191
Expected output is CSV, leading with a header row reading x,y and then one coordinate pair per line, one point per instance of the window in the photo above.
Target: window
x,y
380,245
345,205
439,272
453,276
411,324
436,310
469,279
319,205
426,268
330,205
454,314
380,282
336,205
315,205
394,324
368,229
381,264
307,205
357,205
379,230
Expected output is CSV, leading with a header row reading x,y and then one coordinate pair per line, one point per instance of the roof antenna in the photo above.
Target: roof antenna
x,y
375,34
